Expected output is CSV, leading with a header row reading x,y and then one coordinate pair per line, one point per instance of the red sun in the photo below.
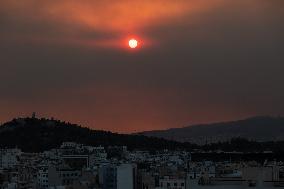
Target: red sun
x,y
133,43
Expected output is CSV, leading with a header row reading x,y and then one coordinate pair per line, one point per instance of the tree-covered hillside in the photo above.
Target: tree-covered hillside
x,y
35,135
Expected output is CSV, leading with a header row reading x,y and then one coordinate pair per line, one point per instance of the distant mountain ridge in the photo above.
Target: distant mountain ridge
x,y
37,135
261,128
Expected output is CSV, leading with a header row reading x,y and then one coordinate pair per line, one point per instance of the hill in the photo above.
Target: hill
x,y
262,128
36,135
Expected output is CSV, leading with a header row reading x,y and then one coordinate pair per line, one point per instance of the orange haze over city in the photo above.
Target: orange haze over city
x,y
190,61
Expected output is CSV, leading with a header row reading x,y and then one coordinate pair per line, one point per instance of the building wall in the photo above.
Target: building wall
x,y
108,176
62,176
42,177
53,177
9,158
172,183
125,176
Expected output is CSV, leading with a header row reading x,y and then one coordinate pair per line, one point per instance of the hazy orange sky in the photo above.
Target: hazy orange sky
x,y
199,61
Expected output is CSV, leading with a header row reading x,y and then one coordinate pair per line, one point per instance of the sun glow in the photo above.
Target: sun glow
x,y
133,43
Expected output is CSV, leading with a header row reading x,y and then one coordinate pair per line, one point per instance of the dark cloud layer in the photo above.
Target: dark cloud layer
x,y
202,61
